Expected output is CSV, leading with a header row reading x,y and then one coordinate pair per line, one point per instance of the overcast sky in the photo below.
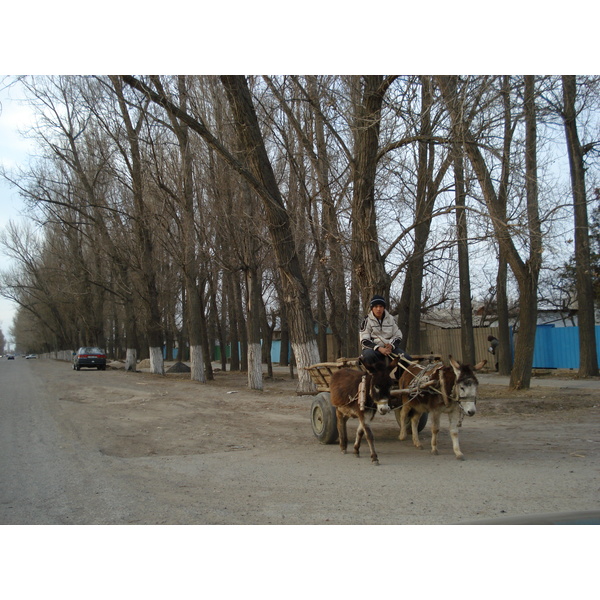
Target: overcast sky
x,y
14,151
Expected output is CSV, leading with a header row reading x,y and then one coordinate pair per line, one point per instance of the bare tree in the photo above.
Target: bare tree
x,y
466,308
427,190
526,271
183,195
505,359
327,238
588,357
346,177
142,230
37,284
257,170
367,261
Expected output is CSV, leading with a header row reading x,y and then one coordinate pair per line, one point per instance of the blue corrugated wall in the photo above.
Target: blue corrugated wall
x,y
558,347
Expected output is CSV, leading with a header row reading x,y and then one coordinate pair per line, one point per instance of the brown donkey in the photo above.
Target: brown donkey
x,y
354,393
449,389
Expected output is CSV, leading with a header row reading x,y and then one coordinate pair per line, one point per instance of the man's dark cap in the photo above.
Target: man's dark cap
x,y
378,300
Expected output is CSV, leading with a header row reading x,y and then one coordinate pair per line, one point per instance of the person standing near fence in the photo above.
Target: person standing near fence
x,y
494,342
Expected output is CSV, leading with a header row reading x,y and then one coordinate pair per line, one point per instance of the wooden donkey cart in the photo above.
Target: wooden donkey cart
x,y
323,413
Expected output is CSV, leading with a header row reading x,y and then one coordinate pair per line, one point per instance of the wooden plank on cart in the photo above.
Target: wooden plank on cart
x,y
321,373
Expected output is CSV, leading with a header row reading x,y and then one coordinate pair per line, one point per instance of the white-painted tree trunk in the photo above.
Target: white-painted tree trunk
x,y
255,375
197,364
157,363
131,360
306,354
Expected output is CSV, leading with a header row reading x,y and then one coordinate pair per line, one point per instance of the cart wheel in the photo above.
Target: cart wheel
x,y
421,424
323,419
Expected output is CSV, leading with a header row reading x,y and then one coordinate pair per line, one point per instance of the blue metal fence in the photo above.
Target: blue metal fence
x,y
558,347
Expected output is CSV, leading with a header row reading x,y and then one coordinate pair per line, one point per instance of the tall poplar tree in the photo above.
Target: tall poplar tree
x,y
588,357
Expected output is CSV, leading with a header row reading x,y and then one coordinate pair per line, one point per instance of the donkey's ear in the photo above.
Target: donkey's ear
x,y
455,365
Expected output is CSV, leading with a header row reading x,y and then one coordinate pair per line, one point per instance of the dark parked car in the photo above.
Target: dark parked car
x,y
93,358
10,357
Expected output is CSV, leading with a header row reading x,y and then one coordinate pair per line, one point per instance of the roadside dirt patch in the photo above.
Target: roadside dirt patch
x,y
139,414
551,403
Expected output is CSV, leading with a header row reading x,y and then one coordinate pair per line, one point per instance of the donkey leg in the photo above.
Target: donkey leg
x,y
435,429
403,420
342,433
371,440
364,428
453,427
359,434
414,423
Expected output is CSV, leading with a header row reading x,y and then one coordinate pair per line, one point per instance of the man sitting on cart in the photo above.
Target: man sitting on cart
x,y
380,336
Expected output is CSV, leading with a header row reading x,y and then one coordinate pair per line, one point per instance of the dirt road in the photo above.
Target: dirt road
x,y
147,449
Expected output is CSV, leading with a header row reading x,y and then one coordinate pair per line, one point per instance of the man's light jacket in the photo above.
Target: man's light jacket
x,y
375,333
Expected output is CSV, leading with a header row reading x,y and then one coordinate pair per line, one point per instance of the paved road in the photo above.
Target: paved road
x,y
51,474
47,477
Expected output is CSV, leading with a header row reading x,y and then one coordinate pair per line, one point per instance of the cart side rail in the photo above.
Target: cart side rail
x,y
321,373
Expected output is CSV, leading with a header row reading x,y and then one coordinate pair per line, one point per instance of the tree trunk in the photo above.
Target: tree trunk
x,y
284,344
266,338
255,375
206,347
190,262
354,317
147,274
334,262
253,289
220,320
588,356
131,360
367,262
183,353
295,292
503,353
157,364
230,281
528,280
462,235
130,322
423,211
321,316
193,314
197,364
404,305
